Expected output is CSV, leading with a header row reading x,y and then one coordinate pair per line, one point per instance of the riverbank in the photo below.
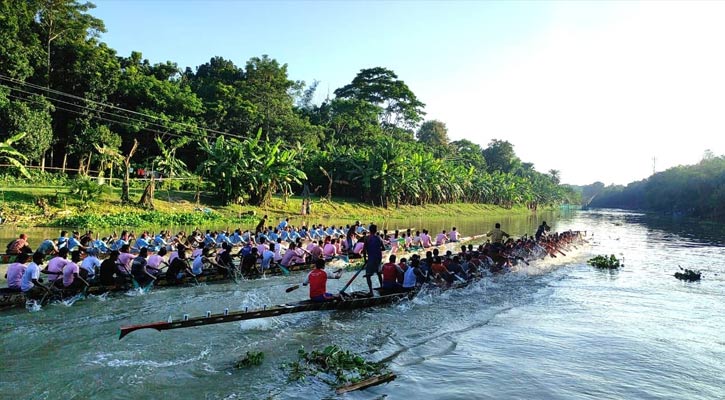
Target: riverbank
x,y
57,207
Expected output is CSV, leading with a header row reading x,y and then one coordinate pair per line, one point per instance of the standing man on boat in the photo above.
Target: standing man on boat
x,y
317,279
261,224
373,247
497,235
543,228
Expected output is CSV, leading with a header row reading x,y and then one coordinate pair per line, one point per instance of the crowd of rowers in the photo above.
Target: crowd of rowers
x,y
142,260
495,256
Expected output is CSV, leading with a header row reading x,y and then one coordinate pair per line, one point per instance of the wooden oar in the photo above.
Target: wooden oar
x,y
356,274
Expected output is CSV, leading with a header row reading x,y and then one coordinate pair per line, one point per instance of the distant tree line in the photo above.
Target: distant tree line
x,y
247,132
694,190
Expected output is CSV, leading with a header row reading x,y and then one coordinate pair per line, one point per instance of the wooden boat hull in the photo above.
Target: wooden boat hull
x,y
357,301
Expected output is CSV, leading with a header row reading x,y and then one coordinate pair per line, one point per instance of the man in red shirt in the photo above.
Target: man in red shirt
x,y
317,279
19,245
390,272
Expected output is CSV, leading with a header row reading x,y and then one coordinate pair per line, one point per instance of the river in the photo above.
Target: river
x,y
558,329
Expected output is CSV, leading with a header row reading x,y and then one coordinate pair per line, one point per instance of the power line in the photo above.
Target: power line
x,y
90,110
96,117
37,87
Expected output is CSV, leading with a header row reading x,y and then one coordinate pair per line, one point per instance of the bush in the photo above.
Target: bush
x,y
137,219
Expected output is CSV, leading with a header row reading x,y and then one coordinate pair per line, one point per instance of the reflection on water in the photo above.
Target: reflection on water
x,y
557,329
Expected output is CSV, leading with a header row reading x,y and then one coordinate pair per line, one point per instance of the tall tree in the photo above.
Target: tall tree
x,y
469,154
399,106
218,83
435,134
500,156
65,20
272,94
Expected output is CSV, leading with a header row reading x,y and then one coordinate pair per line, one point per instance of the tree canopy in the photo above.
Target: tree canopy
x,y
247,131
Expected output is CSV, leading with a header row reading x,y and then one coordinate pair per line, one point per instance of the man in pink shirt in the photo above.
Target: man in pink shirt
x,y
425,239
329,250
441,238
16,271
54,269
71,278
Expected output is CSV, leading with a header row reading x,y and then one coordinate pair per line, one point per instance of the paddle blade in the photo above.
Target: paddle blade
x,y
291,288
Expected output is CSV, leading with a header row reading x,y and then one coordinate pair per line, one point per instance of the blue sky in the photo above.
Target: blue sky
x,y
593,89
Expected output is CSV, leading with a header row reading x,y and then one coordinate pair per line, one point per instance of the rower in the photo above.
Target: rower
x,y
390,271
153,263
19,245
267,257
249,262
124,260
109,271
290,256
441,238
437,268
317,279
425,239
413,275
178,268
74,242
72,280
90,264
453,235
329,250
224,259
54,269
260,225
16,271
30,284
138,268
48,247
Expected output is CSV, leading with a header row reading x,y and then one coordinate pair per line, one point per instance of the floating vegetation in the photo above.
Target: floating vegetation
x,y
610,262
340,368
253,358
689,275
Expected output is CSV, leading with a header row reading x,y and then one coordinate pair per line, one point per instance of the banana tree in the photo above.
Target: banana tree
x,y
12,156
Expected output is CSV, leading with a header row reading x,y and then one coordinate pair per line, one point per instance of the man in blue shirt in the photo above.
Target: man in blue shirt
x,y
374,249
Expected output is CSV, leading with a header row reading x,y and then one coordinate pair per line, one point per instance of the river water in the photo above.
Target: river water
x,y
557,329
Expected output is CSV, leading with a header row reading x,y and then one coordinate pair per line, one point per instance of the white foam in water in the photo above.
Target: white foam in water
x,y
100,297
69,302
33,306
107,360
263,324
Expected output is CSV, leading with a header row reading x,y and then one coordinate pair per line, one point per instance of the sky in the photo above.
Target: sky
x,y
600,91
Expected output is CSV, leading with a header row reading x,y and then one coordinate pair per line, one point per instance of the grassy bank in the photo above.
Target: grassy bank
x,y
57,207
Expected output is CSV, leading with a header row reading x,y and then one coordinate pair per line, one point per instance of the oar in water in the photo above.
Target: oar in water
x,y
365,261
282,268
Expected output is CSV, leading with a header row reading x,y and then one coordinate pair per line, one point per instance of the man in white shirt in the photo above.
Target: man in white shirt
x,y
91,263
30,284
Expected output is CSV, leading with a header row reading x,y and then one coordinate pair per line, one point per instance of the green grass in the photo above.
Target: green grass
x,y
19,206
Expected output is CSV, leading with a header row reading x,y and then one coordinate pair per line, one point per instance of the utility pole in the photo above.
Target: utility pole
x,y
654,165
